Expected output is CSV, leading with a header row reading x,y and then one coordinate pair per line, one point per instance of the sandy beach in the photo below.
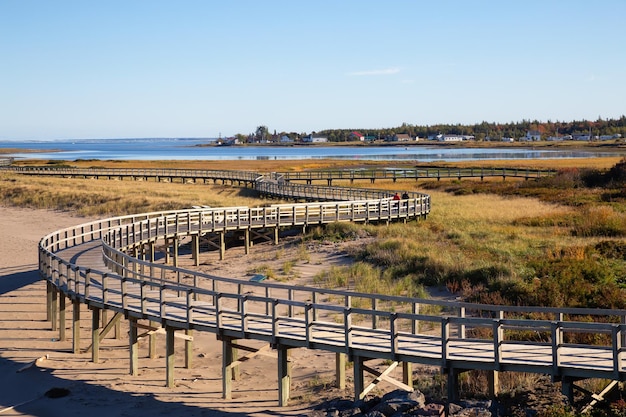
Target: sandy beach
x,y
106,388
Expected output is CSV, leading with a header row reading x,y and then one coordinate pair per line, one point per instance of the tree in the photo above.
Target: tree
x,y
261,133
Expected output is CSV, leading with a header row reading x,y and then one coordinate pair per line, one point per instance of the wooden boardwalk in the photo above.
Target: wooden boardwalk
x,y
308,177
111,264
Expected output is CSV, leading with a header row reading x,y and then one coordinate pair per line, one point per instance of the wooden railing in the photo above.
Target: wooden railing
x,y
307,176
452,335
137,173
446,334
417,174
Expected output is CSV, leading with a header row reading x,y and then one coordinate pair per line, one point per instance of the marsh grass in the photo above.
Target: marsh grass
x,y
91,197
370,279
491,241
508,248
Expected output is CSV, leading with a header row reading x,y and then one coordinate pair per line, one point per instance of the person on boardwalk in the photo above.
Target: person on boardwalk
x,y
405,195
396,196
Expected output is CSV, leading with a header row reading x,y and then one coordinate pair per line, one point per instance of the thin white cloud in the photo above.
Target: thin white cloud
x,y
385,71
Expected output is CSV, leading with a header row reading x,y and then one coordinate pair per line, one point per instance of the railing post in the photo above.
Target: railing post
x,y
87,282
393,332
124,292
497,343
374,315
275,328
105,289
415,324
556,343
616,337
445,338
244,319
461,326
347,323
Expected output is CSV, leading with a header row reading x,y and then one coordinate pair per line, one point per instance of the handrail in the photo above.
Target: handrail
x,y
375,325
308,176
418,173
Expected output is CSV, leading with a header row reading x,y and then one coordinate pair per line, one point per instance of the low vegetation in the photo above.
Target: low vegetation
x,y
555,241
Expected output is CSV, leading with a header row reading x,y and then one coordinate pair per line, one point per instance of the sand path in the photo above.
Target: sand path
x,y
106,388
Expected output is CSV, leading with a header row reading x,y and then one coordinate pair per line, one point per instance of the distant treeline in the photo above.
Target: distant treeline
x,y
495,131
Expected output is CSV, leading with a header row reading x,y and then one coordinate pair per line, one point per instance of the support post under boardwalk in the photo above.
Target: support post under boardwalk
x,y
340,370
118,330
133,345
95,335
222,236
246,244
493,380
62,311
407,373
195,249
169,356
227,360
567,388
276,233
49,290
152,345
76,326
284,375
359,381
188,348
54,309
453,385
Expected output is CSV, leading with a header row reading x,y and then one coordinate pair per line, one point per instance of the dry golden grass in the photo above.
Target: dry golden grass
x,y
114,197
463,234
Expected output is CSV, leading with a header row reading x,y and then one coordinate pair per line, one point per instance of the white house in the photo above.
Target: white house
x,y
315,138
454,138
532,136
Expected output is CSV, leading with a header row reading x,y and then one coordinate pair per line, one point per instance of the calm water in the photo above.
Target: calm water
x,y
187,149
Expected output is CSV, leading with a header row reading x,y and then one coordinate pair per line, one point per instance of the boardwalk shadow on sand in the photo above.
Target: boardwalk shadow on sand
x,y
27,389
18,277
29,393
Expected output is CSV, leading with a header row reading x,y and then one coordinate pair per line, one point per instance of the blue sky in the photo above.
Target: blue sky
x,y
150,68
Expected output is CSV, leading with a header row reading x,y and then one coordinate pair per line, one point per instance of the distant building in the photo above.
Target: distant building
x,y
356,136
532,136
452,138
229,141
285,139
401,137
312,138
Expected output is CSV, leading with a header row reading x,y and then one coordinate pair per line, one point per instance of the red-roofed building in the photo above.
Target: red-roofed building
x,y
356,136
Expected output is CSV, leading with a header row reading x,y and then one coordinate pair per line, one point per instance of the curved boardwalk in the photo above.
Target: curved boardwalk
x,y
112,264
